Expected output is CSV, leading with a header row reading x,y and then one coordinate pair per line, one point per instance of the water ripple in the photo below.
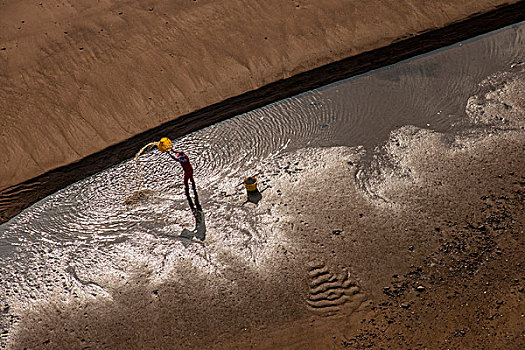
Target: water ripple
x,y
96,219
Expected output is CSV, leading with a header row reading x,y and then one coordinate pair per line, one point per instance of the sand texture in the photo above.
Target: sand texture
x,y
420,248
77,77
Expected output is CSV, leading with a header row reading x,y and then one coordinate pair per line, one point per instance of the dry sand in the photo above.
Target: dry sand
x,y
76,78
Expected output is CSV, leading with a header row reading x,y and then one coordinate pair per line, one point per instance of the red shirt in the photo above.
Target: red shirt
x,y
184,161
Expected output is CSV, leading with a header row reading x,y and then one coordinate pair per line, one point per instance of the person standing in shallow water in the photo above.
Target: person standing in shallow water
x,y
166,146
184,161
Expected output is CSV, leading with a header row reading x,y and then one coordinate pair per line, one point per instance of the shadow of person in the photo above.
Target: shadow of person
x,y
186,237
200,225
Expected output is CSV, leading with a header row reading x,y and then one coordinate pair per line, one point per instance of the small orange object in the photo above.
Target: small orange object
x,y
250,183
165,145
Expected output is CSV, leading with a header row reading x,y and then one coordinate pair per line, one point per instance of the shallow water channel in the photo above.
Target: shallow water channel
x,y
88,239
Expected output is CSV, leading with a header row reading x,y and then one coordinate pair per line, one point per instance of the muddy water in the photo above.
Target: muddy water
x,y
93,238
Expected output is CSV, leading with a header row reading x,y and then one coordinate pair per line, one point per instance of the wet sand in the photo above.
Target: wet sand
x,y
468,292
94,77
421,248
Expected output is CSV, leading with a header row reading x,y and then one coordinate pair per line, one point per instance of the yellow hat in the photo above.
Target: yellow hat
x,y
165,145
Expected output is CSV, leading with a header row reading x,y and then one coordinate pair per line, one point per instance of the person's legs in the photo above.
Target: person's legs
x,y
186,178
188,175
192,181
188,197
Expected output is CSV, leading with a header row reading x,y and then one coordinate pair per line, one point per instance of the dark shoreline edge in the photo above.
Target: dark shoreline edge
x,y
16,198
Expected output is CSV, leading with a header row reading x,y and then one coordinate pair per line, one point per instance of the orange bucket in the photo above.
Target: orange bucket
x,y
165,145
250,183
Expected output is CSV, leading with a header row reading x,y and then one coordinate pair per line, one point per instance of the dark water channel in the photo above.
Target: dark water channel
x,y
95,231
